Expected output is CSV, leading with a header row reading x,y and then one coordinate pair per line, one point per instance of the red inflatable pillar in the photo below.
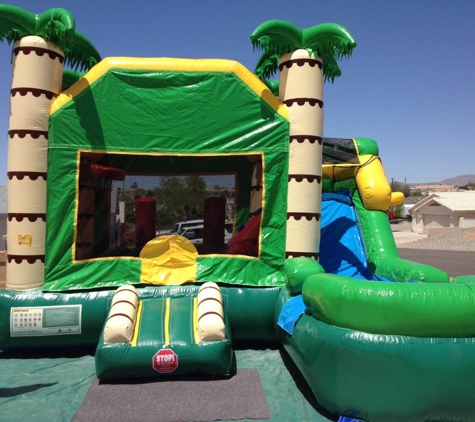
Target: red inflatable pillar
x,y
213,228
86,209
145,222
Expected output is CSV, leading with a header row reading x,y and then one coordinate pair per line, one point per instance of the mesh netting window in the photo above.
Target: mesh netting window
x,y
126,200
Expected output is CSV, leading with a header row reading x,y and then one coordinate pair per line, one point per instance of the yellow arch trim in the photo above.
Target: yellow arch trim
x,y
137,325
167,322
195,321
183,65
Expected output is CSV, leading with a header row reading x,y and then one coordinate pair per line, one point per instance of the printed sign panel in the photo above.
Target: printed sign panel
x,y
45,321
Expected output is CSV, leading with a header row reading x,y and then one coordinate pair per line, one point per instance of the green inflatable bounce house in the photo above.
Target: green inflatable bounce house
x,y
310,262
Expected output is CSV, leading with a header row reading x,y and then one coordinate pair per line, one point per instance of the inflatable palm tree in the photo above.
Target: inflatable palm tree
x,y
304,58
42,43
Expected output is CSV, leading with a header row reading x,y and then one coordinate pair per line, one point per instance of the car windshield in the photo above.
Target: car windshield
x,y
193,233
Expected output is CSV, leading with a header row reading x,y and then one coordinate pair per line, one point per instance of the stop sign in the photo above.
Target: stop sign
x,y
165,361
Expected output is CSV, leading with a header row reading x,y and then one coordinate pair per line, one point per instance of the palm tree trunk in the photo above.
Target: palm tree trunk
x,y
37,75
301,90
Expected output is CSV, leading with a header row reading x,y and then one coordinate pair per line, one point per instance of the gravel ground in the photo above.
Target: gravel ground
x,y
451,240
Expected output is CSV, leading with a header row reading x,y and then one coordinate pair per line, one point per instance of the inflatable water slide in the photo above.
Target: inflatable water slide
x,y
376,337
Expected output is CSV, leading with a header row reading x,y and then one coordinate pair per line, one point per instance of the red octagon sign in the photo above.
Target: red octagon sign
x,y
165,361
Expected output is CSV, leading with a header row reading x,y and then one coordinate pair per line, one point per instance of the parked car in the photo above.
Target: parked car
x,y
179,227
195,233
182,225
162,232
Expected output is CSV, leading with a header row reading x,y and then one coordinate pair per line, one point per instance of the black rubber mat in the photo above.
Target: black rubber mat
x,y
194,399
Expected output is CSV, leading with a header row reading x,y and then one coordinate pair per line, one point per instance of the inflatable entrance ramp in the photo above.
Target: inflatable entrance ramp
x,y
172,335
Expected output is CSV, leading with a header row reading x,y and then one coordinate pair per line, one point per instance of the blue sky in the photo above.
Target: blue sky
x,y
410,83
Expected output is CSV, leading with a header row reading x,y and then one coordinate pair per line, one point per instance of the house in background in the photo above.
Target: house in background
x,y
409,202
444,210
3,216
434,188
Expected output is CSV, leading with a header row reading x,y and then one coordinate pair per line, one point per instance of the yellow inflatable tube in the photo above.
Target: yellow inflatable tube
x,y
372,184
397,198
371,181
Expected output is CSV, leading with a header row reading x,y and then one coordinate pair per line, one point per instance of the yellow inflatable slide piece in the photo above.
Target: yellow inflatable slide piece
x,y
372,183
397,198
168,260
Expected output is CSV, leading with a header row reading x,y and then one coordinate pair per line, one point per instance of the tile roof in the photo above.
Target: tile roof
x,y
3,200
454,201
412,200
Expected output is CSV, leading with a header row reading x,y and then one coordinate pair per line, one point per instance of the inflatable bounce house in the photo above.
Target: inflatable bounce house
x,y
376,337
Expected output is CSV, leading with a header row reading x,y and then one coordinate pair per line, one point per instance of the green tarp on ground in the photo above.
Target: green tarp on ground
x,y
39,388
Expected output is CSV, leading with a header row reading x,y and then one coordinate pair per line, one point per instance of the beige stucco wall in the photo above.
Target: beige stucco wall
x,y
444,216
416,222
466,219
453,219
437,209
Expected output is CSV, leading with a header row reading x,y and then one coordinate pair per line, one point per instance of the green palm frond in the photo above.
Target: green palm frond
x,y
331,70
330,41
81,53
267,65
277,36
15,23
56,25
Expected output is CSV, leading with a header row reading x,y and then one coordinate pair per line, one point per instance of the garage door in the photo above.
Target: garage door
x,y
435,220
